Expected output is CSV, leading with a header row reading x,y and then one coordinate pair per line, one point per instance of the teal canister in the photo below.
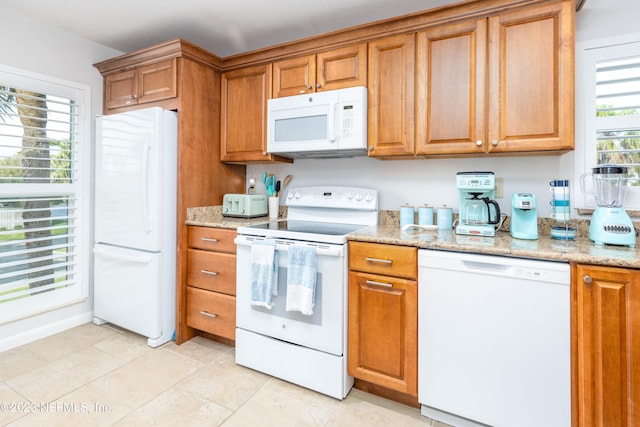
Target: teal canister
x,y
425,215
445,218
407,215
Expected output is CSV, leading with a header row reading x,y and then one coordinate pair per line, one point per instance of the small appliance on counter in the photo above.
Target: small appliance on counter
x,y
610,223
244,205
524,216
477,191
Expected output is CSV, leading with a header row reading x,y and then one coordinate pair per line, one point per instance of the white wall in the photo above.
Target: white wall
x,y
38,48
433,181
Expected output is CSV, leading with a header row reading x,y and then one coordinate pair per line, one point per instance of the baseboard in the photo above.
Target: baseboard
x,y
44,331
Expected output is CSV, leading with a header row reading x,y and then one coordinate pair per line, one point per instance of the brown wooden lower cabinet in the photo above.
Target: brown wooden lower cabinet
x,y
211,282
383,319
605,346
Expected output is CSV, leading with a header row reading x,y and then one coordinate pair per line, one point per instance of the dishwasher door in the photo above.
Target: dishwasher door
x,y
494,340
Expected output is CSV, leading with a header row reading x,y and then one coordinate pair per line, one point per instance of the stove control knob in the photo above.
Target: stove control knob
x,y
369,197
298,195
290,196
359,197
349,195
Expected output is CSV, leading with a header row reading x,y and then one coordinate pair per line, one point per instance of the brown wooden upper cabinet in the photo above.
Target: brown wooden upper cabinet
x,y
335,69
503,84
147,83
390,83
243,123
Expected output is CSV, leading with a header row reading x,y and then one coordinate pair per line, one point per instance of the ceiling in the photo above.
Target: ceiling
x,y
222,27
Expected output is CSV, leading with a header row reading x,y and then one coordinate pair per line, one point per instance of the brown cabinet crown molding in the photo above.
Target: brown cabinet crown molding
x,y
170,49
376,30
323,42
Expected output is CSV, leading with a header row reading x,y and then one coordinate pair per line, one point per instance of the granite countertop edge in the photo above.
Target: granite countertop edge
x,y
580,250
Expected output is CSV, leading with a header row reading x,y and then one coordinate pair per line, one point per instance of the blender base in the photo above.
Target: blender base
x,y
612,226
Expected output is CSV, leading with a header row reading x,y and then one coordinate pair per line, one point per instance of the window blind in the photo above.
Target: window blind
x,y
39,222
618,113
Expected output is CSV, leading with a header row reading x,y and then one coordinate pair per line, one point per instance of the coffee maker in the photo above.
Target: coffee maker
x,y
477,191
610,223
524,216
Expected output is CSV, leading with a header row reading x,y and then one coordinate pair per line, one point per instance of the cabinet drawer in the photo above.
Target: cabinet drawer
x,y
213,271
212,239
390,260
211,312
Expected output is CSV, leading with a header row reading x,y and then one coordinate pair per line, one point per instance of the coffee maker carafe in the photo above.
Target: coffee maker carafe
x,y
477,191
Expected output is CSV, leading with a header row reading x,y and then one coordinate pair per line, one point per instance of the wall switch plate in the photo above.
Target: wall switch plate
x,y
499,188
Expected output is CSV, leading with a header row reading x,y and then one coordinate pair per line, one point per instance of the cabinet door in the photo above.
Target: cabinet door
x,y
450,92
294,76
158,81
606,346
120,89
244,114
391,76
345,67
531,79
383,331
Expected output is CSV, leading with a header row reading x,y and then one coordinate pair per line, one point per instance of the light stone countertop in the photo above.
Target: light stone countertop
x,y
388,231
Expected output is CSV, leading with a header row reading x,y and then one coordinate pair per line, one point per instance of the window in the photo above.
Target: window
x,y
41,199
608,109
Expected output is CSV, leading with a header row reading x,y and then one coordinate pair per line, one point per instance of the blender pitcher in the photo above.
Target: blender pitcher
x,y
609,184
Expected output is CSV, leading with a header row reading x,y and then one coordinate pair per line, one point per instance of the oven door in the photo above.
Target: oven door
x,y
324,330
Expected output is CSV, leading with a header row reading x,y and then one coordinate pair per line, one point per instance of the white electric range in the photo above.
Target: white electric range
x,y
308,350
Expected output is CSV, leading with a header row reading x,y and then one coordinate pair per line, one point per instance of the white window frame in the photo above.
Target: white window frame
x,y
588,53
37,304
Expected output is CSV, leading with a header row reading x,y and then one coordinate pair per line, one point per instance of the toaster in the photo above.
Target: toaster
x,y
244,205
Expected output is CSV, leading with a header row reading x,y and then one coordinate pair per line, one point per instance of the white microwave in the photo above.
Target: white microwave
x,y
319,125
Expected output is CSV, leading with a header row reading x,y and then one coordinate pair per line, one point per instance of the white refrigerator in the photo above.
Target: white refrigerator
x,y
135,222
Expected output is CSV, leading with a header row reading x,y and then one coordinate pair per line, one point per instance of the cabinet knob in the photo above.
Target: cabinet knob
x,y
479,143
587,279
494,142
309,87
371,148
318,85
264,153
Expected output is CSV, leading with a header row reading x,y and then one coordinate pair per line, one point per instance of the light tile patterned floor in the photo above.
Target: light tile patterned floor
x,y
102,376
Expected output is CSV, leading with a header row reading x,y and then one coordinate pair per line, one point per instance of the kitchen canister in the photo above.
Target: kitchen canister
x,y
407,215
445,218
425,215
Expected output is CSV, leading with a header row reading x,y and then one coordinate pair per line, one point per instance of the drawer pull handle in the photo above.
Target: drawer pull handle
x,y
383,261
206,313
211,273
209,239
372,282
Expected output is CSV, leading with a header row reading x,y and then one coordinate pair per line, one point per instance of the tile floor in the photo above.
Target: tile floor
x,y
102,376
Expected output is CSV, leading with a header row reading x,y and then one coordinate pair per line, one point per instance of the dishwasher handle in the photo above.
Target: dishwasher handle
x,y
487,267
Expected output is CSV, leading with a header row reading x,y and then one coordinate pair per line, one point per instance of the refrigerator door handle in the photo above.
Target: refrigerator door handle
x,y
145,186
136,259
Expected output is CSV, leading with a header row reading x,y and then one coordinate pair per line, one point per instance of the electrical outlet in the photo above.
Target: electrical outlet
x,y
499,188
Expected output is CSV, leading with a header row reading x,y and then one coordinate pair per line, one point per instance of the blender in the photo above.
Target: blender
x,y
610,223
477,190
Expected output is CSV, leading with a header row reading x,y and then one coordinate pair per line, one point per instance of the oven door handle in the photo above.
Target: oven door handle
x,y
281,245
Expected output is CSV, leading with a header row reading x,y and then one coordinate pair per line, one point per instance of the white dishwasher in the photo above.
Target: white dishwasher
x,y
493,340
